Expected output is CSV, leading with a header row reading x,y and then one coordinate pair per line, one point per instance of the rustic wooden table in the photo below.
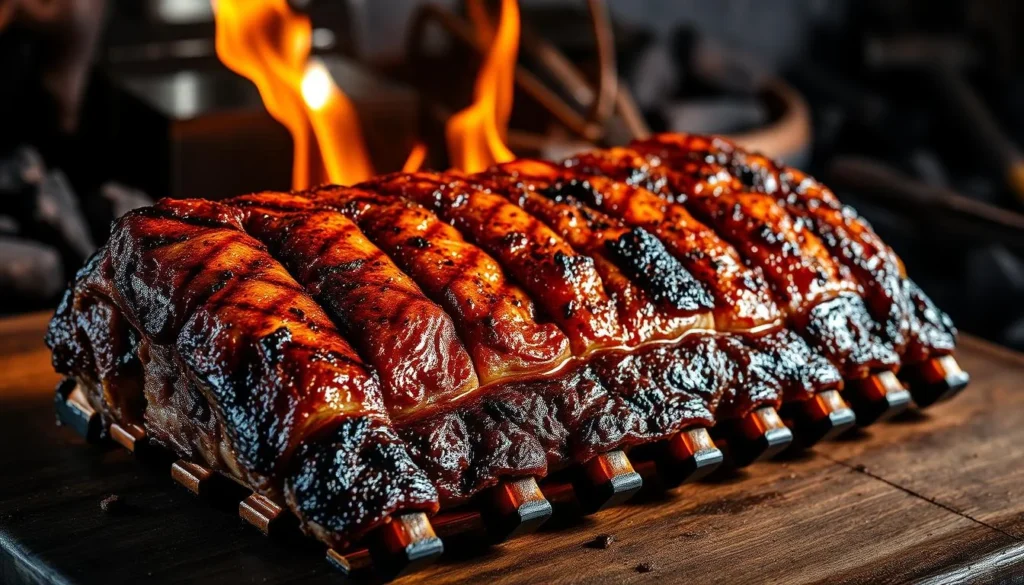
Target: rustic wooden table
x,y
937,497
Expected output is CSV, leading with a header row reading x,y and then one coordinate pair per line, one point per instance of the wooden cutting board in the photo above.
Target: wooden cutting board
x,y
937,496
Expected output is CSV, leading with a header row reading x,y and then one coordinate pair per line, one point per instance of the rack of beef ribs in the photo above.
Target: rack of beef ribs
x,y
430,354
846,292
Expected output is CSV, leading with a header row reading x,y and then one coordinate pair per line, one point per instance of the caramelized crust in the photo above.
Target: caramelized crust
x,y
92,340
820,298
283,389
742,303
932,332
616,400
655,297
495,318
515,428
565,284
741,300
850,239
408,339
190,276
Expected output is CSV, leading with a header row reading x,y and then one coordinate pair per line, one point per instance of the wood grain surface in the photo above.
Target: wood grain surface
x,y
935,497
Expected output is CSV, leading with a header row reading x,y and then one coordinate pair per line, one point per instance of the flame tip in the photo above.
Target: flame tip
x,y
476,134
269,43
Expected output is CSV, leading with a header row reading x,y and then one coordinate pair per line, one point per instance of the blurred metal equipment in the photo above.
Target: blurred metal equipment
x,y
598,103
941,209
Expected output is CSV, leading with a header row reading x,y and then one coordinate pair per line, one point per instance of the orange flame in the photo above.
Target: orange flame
x,y
417,155
476,134
268,43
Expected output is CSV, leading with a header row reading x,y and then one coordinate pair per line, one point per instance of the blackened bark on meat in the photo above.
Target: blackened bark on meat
x,y
932,331
350,480
645,259
242,369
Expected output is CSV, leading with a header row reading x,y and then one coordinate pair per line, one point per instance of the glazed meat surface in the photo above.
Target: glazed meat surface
x,y
564,283
818,295
497,319
899,306
410,341
242,370
359,352
744,312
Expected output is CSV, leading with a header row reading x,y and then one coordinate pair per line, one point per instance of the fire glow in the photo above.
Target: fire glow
x,y
476,135
268,43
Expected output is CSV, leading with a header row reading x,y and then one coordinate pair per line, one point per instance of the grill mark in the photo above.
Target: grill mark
x,y
392,199
303,215
807,260
434,227
666,281
200,266
330,243
449,180
491,214
582,190
801,195
868,350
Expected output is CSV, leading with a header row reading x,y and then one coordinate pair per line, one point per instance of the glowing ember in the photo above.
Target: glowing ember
x,y
268,43
476,134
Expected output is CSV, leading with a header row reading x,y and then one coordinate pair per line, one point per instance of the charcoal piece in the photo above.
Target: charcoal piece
x,y
57,210
29,272
602,541
644,568
24,168
123,199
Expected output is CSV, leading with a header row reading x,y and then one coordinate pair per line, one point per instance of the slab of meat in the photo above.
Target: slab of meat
x,y
819,296
906,317
360,352
572,414
237,368
641,231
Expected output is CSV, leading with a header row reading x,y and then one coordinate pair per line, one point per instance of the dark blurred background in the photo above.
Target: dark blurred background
x,y
910,109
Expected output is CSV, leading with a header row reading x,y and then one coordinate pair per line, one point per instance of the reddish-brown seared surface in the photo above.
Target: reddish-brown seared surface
x,y
742,301
357,352
932,332
278,399
409,340
616,400
565,284
655,297
190,276
92,340
795,263
820,297
850,239
516,429
496,319
895,302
